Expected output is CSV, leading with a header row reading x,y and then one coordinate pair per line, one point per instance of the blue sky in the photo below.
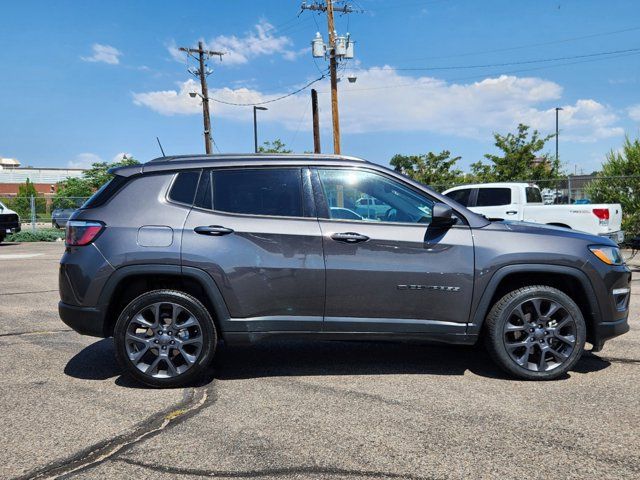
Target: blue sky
x,y
89,80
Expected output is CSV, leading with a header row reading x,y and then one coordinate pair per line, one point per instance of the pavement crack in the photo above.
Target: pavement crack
x,y
344,392
27,293
632,361
195,399
36,332
304,471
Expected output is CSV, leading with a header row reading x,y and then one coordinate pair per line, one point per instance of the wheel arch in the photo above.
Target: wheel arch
x,y
571,281
128,282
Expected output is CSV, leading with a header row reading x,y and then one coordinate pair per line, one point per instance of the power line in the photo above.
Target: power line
x,y
520,47
492,74
217,100
523,62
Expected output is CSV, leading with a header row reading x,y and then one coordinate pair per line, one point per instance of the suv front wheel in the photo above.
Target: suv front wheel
x,y
165,338
535,333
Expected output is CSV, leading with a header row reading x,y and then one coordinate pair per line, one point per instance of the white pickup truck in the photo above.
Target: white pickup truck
x,y
523,202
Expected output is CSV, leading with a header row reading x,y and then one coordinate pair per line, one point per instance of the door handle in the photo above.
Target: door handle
x,y
349,237
213,230
511,212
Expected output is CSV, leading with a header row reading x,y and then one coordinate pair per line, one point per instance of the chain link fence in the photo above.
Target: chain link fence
x,y
41,212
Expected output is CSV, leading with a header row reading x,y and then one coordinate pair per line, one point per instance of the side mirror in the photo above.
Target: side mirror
x,y
442,216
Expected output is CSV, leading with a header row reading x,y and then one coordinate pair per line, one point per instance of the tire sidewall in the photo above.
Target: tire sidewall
x,y
184,300
501,317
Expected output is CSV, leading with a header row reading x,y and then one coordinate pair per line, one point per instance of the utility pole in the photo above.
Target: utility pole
x,y
333,69
316,121
202,72
339,47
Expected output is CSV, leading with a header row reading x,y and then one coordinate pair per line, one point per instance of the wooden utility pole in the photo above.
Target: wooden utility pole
x,y
333,68
316,121
328,7
202,73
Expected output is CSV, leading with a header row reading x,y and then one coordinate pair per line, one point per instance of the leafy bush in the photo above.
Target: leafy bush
x,y
619,182
41,235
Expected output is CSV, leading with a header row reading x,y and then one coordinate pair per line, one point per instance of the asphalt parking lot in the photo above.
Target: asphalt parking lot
x,y
292,410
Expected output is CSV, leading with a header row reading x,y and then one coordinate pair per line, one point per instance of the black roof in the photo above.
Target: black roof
x,y
183,162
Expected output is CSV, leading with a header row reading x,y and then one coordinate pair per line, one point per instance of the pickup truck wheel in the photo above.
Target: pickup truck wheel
x,y
165,338
535,333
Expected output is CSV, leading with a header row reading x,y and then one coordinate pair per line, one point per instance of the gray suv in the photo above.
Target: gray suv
x,y
174,255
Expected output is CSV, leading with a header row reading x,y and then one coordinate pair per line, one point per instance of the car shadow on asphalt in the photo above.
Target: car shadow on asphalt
x,y
293,358
98,362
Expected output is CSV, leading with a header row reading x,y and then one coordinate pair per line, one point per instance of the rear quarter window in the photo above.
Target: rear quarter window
x,y
106,192
184,187
533,195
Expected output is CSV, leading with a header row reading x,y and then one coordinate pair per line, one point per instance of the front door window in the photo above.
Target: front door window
x,y
371,197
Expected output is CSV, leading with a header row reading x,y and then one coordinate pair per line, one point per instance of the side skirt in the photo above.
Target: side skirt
x,y
243,338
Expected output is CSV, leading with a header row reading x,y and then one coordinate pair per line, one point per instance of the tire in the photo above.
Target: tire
x,y
535,333
165,338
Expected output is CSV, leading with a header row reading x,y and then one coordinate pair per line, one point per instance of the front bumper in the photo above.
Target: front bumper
x,y
84,320
614,301
9,228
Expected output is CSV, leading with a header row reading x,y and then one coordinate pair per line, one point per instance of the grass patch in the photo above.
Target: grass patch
x,y
40,235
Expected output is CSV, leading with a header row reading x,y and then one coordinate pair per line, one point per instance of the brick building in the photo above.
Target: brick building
x,y
43,179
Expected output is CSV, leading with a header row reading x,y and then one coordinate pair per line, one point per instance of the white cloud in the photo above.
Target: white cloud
x,y
104,54
84,160
120,156
384,100
239,50
634,112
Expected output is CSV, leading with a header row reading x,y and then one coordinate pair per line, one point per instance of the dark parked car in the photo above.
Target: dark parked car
x,y
171,256
9,222
60,216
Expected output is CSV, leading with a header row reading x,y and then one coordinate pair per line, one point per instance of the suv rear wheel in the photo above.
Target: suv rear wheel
x,y
535,333
165,338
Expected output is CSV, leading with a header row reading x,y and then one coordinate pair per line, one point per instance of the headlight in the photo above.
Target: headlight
x,y
609,255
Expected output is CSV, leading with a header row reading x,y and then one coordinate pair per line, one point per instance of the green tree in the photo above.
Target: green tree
x,y
434,169
520,158
277,146
98,174
624,188
22,201
72,192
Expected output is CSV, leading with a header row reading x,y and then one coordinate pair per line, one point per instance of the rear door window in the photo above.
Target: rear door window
x,y
268,191
491,197
461,196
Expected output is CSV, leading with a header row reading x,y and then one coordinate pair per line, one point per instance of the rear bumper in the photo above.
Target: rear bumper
x,y
617,237
84,320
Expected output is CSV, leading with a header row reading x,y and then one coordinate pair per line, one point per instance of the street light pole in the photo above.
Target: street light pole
x,y
557,164
557,131
255,127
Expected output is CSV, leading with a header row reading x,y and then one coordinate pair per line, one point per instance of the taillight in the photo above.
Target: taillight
x,y
80,232
602,214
